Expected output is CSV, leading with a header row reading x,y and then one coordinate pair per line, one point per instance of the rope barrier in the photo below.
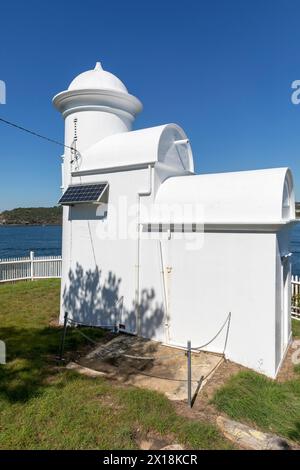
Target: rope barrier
x,y
87,337
187,351
209,342
184,351
90,326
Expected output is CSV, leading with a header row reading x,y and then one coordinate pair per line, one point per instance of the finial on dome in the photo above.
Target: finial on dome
x,y
97,79
98,66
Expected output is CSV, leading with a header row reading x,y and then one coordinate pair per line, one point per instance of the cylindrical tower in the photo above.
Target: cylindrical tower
x,y
96,105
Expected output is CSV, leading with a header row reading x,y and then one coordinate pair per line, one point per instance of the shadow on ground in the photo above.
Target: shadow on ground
x,y
31,354
31,350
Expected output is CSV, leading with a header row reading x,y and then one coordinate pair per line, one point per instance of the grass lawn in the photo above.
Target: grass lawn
x,y
296,328
272,406
46,407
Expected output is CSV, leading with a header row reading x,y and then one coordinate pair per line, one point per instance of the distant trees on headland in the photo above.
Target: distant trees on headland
x,y
32,216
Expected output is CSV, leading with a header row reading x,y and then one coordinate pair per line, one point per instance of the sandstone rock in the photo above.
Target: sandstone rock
x,y
173,447
250,438
84,370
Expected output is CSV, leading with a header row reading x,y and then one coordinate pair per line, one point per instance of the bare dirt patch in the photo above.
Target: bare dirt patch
x,y
149,364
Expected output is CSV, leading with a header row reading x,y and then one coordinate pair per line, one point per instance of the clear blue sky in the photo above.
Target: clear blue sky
x,y
222,69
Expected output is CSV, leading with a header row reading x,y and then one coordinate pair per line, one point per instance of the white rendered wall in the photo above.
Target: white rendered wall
x,y
91,126
97,271
283,296
233,272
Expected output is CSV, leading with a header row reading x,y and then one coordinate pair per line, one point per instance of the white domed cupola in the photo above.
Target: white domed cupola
x,y
99,103
97,79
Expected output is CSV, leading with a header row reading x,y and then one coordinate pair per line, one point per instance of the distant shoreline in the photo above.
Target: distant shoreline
x,y
32,216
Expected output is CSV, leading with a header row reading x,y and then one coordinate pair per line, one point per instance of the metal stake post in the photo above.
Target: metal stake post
x,y
62,343
189,373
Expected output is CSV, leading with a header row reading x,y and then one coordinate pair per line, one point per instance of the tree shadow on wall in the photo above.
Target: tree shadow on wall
x,y
93,300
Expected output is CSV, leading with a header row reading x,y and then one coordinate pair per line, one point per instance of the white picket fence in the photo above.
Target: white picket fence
x,y
32,267
295,306
41,267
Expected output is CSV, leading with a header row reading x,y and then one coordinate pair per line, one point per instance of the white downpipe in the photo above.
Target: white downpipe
x,y
137,289
166,302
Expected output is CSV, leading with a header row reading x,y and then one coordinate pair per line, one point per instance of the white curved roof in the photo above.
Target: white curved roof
x,y
144,146
97,79
239,197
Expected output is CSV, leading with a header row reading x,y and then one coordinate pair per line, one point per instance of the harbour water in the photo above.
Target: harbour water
x,y
295,249
19,240
16,241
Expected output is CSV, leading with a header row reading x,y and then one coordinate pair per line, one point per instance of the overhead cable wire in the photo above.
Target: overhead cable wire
x,y
36,134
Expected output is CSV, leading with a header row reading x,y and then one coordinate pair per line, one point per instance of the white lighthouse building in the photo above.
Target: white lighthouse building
x,y
154,250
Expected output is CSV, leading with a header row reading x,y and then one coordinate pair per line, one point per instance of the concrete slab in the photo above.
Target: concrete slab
x,y
151,365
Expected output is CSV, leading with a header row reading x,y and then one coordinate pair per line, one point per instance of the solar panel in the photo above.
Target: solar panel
x,y
82,193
